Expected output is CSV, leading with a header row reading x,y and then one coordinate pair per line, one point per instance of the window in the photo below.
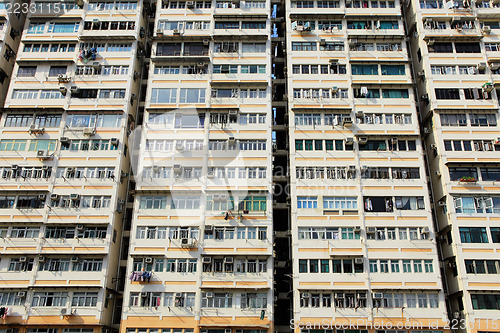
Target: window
x,y
165,95
485,301
473,235
190,95
467,47
153,202
88,265
55,265
340,203
304,46
441,48
18,120
57,70
447,93
307,202
409,203
453,119
26,71
16,265
49,299
483,119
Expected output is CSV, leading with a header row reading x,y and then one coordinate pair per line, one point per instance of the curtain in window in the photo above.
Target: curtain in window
x,y
393,69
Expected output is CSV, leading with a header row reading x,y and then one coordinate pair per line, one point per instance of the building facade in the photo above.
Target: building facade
x,y
363,243
71,103
454,51
202,223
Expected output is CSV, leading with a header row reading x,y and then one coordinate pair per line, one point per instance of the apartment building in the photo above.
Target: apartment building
x,y
363,243
64,166
455,54
200,256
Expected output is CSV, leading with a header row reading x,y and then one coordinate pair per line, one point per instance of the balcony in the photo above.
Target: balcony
x,y
73,278
376,33
195,53
448,34
241,34
76,246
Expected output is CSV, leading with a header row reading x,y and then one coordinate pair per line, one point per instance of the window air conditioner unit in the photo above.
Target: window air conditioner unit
x,y
114,141
178,295
35,129
159,32
88,131
322,42
206,41
358,260
306,295
339,295
42,197
359,114
335,90
361,296
210,294
233,114
74,90
378,295
179,145
143,294
63,90
207,260
190,4
96,65
23,259
64,140
216,197
425,231
185,242
223,197
74,259
14,167
494,66
54,196
394,140
209,228
210,174
349,141
149,260
371,230
357,229
362,140
74,196
231,140
347,122
486,29
176,32
65,312
42,153
441,203
481,66
228,330
41,259
228,260
21,294
80,227
177,168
